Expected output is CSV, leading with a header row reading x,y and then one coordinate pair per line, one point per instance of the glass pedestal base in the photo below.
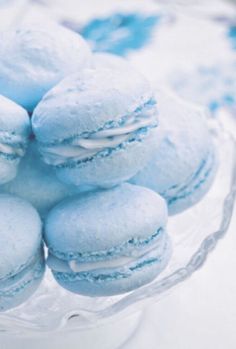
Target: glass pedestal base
x,y
110,336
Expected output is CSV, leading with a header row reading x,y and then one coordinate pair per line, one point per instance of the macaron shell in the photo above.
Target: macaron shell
x,y
104,219
15,129
20,234
196,190
13,118
33,59
185,145
85,102
185,140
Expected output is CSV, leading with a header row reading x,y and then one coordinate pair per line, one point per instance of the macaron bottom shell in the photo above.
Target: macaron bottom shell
x,y
18,288
113,166
194,191
200,184
114,281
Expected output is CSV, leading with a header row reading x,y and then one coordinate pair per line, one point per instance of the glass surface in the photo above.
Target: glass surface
x,y
195,233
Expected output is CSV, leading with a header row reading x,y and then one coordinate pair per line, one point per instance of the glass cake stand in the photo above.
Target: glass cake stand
x,y
53,312
54,318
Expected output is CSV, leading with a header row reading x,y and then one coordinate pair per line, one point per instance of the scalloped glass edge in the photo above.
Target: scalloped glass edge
x,y
136,300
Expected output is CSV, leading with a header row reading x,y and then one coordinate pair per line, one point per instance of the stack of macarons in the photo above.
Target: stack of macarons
x,y
75,128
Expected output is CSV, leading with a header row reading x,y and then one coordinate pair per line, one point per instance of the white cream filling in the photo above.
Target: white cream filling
x,y
10,150
83,148
79,267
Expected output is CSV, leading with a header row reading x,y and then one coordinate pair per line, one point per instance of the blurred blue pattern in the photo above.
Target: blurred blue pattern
x,y
211,86
232,35
118,33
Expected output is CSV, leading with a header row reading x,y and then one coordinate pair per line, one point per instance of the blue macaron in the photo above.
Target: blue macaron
x,y
37,183
21,252
108,242
14,133
184,166
33,59
99,127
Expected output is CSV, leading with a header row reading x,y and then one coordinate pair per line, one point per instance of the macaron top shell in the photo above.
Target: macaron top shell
x,y
20,234
14,120
103,220
33,59
94,100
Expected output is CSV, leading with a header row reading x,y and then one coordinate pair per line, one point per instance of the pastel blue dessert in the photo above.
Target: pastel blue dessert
x,y
14,133
184,166
99,127
21,251
211,86
119,33
33,59
37,183
108,242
